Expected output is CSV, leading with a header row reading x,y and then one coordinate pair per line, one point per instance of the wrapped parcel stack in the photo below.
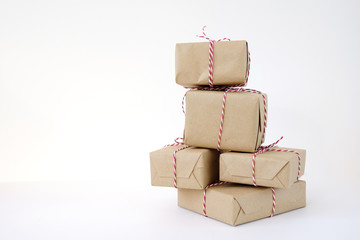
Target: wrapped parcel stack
x,y
222,169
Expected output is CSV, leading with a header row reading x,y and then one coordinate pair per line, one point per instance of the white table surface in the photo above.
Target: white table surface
x,y
109,210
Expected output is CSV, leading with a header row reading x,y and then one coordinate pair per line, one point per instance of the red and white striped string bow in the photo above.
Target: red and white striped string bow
x,y
176,143
211,54
270,147
211,58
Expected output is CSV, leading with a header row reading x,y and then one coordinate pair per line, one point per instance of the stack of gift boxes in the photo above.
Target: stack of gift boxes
x,y
221,168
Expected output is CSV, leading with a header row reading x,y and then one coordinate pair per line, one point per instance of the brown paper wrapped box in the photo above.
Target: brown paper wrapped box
x,y
195,167
235,204
243,126
272,169
230,63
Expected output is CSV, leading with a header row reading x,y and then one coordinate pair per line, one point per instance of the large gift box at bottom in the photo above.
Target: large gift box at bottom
x,y
235,204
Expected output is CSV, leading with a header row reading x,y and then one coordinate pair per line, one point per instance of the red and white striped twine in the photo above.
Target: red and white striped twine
x,y
204,199
183,103
274,202
176,143
221,120
253,169
174,162
263,149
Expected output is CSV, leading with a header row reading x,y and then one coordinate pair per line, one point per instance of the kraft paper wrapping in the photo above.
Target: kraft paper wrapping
x,y
195,167
272,169
230,63
243,126
236,204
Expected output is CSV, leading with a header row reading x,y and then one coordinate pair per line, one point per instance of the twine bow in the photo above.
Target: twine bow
x,y
211,54
261,150
270,147
175,143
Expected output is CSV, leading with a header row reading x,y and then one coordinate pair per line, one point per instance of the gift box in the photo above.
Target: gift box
x,y
195,167
243,126
279,167
235,204
230,63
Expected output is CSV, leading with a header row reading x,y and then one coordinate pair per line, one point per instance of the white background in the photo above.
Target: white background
x,y
87,90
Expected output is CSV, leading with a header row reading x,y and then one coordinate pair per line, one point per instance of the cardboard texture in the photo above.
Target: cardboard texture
x,y
236,204
230,63
243,126
272,169
195,167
